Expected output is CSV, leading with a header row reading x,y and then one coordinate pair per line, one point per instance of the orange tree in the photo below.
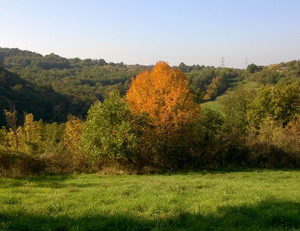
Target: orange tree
x,y
163,95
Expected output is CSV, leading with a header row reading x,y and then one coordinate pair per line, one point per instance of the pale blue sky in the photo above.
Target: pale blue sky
x,y
146,31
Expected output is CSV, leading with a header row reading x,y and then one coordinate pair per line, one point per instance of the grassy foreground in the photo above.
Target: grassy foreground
x,y
251,200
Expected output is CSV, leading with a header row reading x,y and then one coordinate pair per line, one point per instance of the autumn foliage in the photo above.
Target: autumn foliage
x,y
158,125
163,94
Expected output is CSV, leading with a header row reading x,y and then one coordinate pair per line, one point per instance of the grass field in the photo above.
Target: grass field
x,y
245,200
216,104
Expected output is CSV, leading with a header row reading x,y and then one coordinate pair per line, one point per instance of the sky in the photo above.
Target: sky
x,y
147,31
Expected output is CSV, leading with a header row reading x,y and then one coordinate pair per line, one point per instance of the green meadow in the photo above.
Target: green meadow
x,y
217,105
206,200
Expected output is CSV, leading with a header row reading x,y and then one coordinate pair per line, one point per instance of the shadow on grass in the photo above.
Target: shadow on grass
x,y
49,181
58,181
267,215
226,170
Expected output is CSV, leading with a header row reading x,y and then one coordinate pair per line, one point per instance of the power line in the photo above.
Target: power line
x,y
222,61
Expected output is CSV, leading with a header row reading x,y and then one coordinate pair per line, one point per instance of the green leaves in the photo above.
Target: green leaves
x,y
281,103
109,130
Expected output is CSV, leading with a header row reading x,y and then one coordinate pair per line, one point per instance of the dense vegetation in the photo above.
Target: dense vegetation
x,y
25,97
79,83
65,115
73,85
251,200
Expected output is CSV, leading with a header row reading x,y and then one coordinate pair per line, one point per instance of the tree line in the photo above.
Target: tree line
x,y
158,125
71,86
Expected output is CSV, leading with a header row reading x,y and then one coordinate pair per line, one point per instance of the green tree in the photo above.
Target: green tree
x,y
109,131
281,103
267,76
252,68
236,105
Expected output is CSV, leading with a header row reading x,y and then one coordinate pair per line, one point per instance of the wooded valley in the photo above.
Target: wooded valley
x,y
62,115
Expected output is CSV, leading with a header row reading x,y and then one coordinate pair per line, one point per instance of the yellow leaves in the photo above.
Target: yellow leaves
x,y
72,134
32,129
72,141
26,138
11,119
11,139
164,95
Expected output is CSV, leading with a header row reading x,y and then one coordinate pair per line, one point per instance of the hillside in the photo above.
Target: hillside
x,y
80,83
158,126
23,96
258,76
69,86
65,86
216,104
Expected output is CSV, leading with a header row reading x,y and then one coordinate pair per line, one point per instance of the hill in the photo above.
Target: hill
x,y
78,83
23,96
81,82
255,77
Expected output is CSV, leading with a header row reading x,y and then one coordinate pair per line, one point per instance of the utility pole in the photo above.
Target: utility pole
x,y
222,61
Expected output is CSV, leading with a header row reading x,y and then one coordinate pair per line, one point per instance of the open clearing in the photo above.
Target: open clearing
x,y
245,200
217,105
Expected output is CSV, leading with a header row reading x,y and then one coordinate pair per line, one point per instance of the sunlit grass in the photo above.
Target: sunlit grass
x,y
251,200
217,105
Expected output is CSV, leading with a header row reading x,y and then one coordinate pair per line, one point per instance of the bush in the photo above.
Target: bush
x,y
19,164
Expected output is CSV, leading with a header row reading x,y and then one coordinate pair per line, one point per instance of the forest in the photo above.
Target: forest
x,y
62,115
